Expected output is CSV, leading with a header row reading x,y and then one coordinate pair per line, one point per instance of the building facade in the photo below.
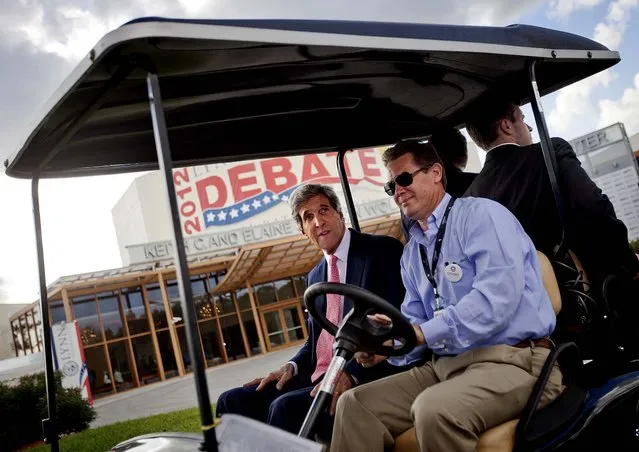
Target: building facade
x,y
131,323
248,263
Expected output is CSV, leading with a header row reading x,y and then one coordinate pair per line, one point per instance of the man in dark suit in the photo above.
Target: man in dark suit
x,y
450,144
515,175
283,398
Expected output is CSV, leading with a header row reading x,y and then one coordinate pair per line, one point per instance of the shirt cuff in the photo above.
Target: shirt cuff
x,y
435,333
294,364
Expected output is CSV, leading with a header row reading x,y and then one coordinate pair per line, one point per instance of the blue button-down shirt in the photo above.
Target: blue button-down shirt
x,y
500,297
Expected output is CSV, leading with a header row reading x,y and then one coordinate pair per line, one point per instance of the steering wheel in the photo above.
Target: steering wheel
x,y
368,335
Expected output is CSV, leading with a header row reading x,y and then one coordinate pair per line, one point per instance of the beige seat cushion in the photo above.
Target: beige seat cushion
x,y
497,439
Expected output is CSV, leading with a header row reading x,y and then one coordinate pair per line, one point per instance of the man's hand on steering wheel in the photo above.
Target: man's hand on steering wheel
x,y
344,383
281,376
368,359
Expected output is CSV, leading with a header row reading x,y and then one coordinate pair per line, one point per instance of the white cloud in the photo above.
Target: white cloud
x,y
625,110
575,111
564,8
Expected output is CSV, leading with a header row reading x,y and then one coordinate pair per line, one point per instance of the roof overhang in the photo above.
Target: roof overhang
x,y
290,256
235,90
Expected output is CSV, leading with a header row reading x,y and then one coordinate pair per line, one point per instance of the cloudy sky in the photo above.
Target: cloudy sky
x,y
42,40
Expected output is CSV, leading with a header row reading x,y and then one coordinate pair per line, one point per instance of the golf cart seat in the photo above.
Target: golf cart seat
x,y
500,438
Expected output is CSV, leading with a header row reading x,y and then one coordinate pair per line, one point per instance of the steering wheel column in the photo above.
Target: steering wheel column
x,y
356,332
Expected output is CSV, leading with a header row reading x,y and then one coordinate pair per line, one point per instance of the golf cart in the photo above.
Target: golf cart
x,y
164,93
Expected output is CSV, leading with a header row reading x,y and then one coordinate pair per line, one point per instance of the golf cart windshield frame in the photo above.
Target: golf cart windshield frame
x,y
56,146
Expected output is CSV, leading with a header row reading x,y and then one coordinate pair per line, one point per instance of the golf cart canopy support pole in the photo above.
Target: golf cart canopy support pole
x,y
49,425
549,156
181,268
346,188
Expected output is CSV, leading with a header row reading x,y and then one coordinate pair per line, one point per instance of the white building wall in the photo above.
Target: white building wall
x,y
128,220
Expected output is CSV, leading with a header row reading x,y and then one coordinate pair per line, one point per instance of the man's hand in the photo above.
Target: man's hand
x,y
281,376
368,359
343,384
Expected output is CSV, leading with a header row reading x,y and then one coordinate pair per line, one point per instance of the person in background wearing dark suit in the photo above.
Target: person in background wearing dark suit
x,y
372,262
450,144
515,175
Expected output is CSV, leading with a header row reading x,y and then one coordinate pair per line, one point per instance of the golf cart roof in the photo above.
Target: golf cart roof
x,y
243,89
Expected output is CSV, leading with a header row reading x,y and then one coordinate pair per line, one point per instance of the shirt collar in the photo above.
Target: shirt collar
x,y
342,249
434,219
503,144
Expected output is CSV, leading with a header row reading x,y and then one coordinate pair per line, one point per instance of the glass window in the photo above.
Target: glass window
x,y
168,355
186,356
198,287
284,289
156,304
121,365
111,315
57,312
224,304
265,293
99,377
145,359
243,300
294,328
211,343
251,332
274,329
86,313
215,278
300,285
134,310
174,299
232,336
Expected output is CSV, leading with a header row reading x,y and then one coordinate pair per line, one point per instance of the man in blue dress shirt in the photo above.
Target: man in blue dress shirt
x,y
482,310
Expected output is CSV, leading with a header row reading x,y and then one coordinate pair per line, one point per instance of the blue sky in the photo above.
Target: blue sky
x,y
42,40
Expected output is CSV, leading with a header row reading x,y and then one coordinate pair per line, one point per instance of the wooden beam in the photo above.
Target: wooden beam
x,y
256,317
154,337
247,348
129,343
105,347
175,341
66,303
220,337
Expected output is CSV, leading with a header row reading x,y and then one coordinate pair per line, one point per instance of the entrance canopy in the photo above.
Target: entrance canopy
x,y
287,257
245,89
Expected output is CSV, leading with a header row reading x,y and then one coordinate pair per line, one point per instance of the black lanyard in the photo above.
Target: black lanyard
x,y
437,251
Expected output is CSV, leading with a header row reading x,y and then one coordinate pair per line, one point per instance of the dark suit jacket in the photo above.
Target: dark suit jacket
x,y
517,178
373,264
457,182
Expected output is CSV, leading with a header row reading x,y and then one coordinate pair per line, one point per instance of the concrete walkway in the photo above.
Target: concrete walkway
x,y
179,393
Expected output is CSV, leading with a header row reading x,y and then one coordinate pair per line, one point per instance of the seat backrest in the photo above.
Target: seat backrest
x,y
550,281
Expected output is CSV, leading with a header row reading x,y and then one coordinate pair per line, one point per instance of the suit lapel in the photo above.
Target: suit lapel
x,y
323,277
355,265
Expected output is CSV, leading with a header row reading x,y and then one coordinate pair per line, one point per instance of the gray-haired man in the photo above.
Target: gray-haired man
x,y
283,397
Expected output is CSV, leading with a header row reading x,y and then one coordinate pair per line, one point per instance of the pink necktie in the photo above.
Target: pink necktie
x,y
325,340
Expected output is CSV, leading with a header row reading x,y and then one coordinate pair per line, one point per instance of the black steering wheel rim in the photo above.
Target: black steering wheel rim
x,y
363,301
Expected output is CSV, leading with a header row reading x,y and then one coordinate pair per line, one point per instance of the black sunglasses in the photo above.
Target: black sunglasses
x,y
403,180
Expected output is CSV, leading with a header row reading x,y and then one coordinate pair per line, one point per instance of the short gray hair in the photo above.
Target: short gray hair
x,y
307,191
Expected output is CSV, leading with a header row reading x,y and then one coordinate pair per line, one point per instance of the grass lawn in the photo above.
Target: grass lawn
x,y
103,438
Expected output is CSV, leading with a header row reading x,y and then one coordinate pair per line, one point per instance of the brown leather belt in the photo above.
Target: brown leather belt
x,y
544,342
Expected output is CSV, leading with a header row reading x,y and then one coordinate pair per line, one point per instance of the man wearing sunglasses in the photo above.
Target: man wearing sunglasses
x,y
475,296
451,147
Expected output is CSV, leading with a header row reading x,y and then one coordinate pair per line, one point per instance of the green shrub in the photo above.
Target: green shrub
x,y
635,245
22,408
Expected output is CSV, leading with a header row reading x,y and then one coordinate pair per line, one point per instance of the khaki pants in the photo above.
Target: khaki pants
x,y
450,400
